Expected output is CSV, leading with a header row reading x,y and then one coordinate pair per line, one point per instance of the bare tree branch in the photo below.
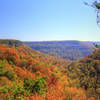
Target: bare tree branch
x,y
96,5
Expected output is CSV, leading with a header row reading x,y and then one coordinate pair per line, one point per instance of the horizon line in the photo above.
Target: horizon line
x,y
47,40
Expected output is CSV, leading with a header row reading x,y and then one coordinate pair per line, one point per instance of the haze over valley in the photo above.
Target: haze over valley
x,y
69,50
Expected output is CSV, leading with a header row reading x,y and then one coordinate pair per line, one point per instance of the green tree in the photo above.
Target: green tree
x,y
14,92
36,86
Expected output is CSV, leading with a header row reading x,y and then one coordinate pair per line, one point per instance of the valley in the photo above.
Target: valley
x,y
28,74
69,50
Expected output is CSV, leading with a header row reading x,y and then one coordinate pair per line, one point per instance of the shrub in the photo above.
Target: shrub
x,y
7,71
36,86
14,92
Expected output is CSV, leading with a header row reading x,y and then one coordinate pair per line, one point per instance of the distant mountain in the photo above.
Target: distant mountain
x,y
92,42
70,50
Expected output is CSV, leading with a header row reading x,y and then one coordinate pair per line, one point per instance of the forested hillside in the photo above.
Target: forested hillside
x,y
26,74
86,73
69,50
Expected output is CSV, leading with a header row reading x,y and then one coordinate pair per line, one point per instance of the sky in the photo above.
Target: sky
x,y
42,20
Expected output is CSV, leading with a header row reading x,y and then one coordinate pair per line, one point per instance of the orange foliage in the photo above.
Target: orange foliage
x,y
24,74
29,64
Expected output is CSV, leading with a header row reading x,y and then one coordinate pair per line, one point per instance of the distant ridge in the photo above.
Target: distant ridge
x,y
67,49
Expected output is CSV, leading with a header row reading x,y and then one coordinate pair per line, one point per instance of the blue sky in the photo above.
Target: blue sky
x,y
37,20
